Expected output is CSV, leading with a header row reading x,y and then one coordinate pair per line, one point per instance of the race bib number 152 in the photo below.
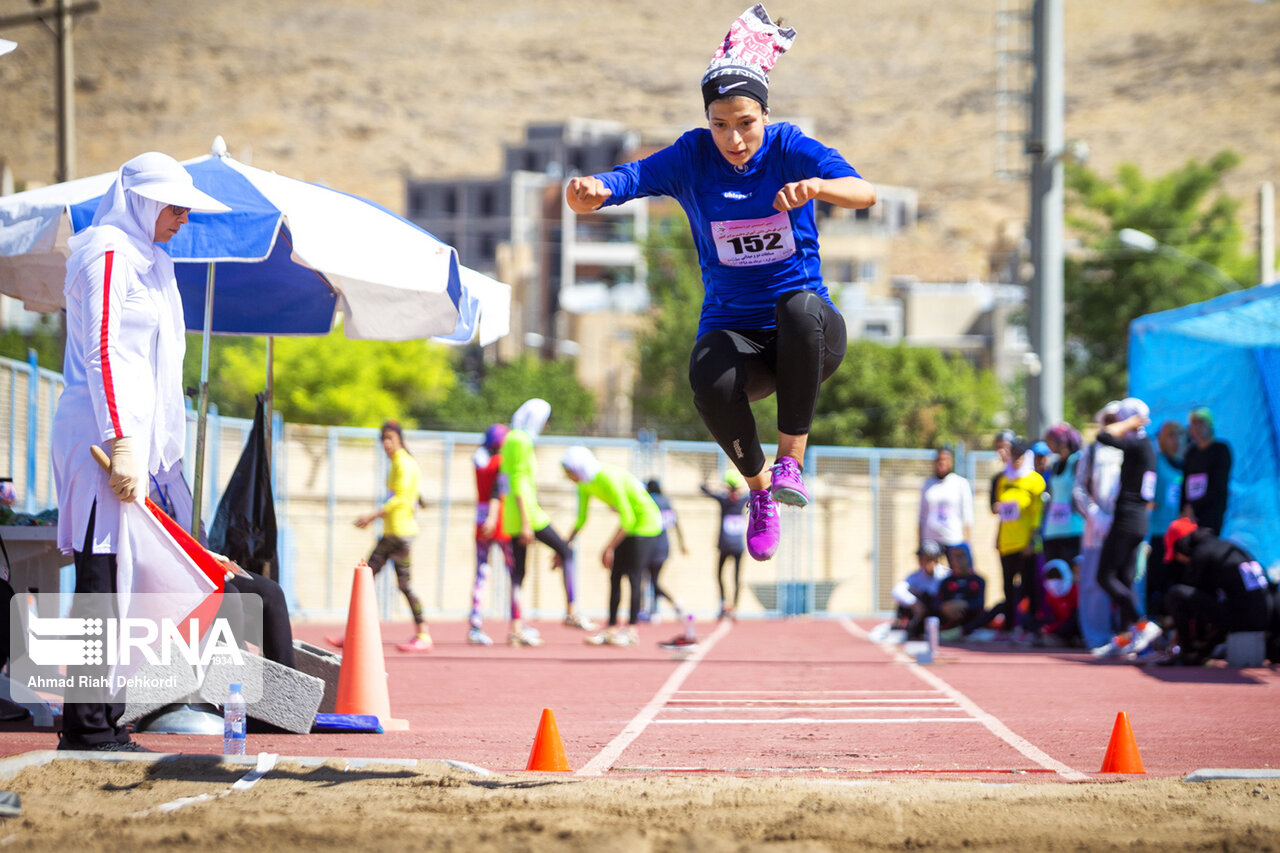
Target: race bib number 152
x,y
754,242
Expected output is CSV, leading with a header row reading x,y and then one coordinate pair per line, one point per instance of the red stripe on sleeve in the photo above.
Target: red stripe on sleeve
x,y
107,383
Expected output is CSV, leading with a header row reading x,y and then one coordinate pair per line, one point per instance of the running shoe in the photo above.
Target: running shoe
x,y
524,637
679,642
1144,634
476,637
787,485
577,620
598,639
763,527
336,642
420,643
628,637
1119,645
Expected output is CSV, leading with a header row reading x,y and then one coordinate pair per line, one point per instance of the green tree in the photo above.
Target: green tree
x,y
903,396
888,396
1107,285
502,389
331,380
663,400
45,338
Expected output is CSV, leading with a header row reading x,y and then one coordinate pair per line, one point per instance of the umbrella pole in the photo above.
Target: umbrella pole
x,y
202,409
269,402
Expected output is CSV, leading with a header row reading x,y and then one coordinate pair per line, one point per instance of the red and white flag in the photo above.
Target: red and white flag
x,y
162,573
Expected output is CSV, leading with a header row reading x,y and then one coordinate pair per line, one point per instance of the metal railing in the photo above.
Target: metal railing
x,y
842,554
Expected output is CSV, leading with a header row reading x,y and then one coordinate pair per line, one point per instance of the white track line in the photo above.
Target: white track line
x,y
605,758
814,721
993,724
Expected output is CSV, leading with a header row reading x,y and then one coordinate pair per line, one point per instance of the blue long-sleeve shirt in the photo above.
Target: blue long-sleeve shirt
x,y
750,254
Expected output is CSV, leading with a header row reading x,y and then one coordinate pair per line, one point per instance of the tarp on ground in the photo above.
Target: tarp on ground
x,y
1224,354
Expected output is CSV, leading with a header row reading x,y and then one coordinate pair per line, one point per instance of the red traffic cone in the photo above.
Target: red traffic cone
x,y
1122,752
362,679
548,751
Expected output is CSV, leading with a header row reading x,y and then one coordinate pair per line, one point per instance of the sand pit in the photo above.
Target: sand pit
x,y
180,804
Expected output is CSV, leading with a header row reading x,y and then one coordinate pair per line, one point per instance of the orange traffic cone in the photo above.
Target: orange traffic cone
x,y
1122,752
362,679
548,751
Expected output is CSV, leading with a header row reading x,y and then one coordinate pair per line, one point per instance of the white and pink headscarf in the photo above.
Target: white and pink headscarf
x,y
742,62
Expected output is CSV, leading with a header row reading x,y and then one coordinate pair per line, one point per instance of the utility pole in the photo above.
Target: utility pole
x,y
59,21
1046,149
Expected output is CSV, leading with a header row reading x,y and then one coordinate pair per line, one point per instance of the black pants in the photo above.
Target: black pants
x,y
276,638
729,369
520,553
1021,580
1116,564
628,559
89,723
726,556
657,559
1200,619
1159,579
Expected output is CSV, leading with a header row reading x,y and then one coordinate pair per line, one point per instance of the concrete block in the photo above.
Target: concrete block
x,y
290,698
156,686
323,664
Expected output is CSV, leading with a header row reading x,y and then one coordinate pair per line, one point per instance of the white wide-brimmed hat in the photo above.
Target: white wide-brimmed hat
x,y
161,178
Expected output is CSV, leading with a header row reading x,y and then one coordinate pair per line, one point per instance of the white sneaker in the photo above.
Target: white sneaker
x,y
1144,636
577,620
628,637
477,637
524,637
1120,644
598,639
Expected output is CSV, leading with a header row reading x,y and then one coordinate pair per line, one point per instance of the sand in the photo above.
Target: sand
x,y
88,806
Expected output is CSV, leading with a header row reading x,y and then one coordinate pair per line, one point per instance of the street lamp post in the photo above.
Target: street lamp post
x,y
1144,242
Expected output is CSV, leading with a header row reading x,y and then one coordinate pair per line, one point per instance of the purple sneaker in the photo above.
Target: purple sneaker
x,y
787,486
763,530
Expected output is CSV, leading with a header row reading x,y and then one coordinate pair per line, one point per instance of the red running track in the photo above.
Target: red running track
x,y
796,697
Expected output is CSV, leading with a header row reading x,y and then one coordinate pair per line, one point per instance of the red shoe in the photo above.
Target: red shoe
x,y
420,643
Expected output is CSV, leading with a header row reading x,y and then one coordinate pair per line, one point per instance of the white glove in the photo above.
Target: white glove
x,y
128,478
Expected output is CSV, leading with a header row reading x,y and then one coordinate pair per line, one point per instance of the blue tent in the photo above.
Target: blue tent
x,y
1224,354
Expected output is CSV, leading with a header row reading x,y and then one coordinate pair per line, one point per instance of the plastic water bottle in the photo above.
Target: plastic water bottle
x,y
690,634
233,722
931,625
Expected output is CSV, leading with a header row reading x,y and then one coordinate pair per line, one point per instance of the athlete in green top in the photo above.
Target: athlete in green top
x,y
629,550
524,520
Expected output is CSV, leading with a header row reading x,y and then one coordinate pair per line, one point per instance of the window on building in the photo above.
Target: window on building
x,y
449,201
876,331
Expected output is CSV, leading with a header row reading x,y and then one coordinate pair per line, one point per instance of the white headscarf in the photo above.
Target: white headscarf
x,y
1131,406
532,416
580,462
125,222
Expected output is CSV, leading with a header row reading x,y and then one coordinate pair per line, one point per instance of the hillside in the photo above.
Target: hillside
x,y
360,94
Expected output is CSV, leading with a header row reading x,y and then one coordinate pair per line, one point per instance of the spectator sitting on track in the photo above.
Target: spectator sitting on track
x,y
946,511
1058,624
961,599
1206,472
917,594
1220,588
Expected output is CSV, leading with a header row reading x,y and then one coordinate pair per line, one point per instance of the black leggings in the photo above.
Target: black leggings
x,y
520,558
729,369
628,559
1021,580
725,556
1116,564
